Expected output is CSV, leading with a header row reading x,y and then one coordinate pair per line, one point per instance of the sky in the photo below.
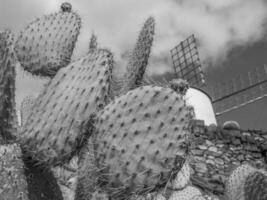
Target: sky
x,y
231,34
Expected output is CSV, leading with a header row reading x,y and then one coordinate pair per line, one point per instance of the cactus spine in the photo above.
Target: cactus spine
x,y
46,44
8,116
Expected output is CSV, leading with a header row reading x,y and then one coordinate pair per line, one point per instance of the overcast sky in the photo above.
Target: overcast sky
x,y
219,25
231,33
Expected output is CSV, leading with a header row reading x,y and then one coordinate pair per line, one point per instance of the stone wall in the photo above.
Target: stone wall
x,y
216,152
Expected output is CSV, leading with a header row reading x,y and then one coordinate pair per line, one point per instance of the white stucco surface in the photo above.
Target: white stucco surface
x,y
202,105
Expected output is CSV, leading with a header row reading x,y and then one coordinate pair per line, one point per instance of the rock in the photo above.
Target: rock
x,y
214,154
201,167
210,162
246,134
219,161
213,149
209,143
251,148
202,147
236,141
197,152
241,157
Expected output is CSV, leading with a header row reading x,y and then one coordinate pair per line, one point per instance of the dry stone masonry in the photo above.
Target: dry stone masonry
x,y
216,152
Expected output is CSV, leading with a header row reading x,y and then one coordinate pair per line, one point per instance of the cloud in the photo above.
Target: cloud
x,y
218,25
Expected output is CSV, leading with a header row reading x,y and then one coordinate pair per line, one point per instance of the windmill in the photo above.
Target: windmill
x,y
187,64
228,96
240,91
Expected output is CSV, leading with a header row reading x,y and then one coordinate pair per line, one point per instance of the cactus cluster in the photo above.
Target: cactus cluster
x,y
91,138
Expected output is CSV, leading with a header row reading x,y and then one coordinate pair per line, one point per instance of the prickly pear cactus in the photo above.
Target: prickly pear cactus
x,y
25,108
139,143
246,182
66,176
46,44
13,185
182,178
139,58
8,117
231,125
42,184
180,85
55,127
256,186
188,193
93,43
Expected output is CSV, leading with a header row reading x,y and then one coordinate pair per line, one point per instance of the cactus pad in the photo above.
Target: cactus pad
x,y
8,116
140,141
46,44
182,178
13,183
246,181
256,186
139,57
188,193
55,128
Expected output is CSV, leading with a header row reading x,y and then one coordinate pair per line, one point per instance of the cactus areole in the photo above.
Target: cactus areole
x,y
66,7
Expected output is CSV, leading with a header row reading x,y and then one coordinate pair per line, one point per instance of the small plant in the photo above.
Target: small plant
x,y
246,183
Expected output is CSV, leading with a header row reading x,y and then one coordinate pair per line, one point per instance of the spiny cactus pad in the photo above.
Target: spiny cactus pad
x,y
139,141
46,44
188,193
54,130
246,182
256,186
26,107
182,178
8,117
139,58
13,185
231,125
